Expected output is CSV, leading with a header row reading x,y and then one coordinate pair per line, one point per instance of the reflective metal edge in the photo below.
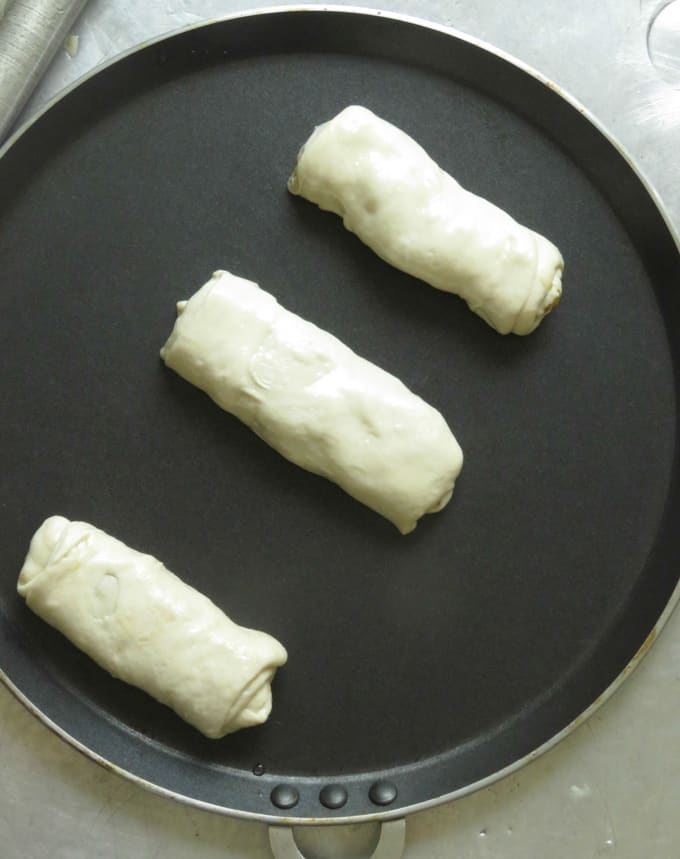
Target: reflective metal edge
x,y
675,596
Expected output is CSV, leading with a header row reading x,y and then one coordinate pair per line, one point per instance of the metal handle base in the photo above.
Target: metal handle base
x,y
390,844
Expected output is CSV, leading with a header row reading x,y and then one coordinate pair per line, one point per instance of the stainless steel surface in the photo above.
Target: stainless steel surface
x,y
608,789
31,31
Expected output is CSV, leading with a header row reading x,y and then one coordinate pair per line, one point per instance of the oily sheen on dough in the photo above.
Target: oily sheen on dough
x,y
414,215
314,400
147,627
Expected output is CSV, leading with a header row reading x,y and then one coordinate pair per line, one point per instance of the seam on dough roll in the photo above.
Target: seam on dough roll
x,y
314,400
418,218
144,625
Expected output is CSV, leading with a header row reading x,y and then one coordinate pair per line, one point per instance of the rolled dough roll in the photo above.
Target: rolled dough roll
x,y
314,400
147,627
415,216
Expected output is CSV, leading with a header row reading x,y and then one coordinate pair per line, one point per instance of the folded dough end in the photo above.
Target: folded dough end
x,y
547,289
407,524
294,181
257,709
443,501
251,709
554,294
42,546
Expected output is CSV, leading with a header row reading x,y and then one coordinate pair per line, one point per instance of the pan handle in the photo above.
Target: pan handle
x,y
390,844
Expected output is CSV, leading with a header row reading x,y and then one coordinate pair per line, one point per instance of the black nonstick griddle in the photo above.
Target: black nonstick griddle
x,y
425,664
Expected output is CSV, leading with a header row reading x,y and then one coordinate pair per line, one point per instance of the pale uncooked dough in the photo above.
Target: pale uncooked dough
x,y
146,626
314,400
416,216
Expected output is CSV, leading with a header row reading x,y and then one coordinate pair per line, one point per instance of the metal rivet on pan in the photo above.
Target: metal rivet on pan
x,y
284,796
382,793
259,769
333,796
